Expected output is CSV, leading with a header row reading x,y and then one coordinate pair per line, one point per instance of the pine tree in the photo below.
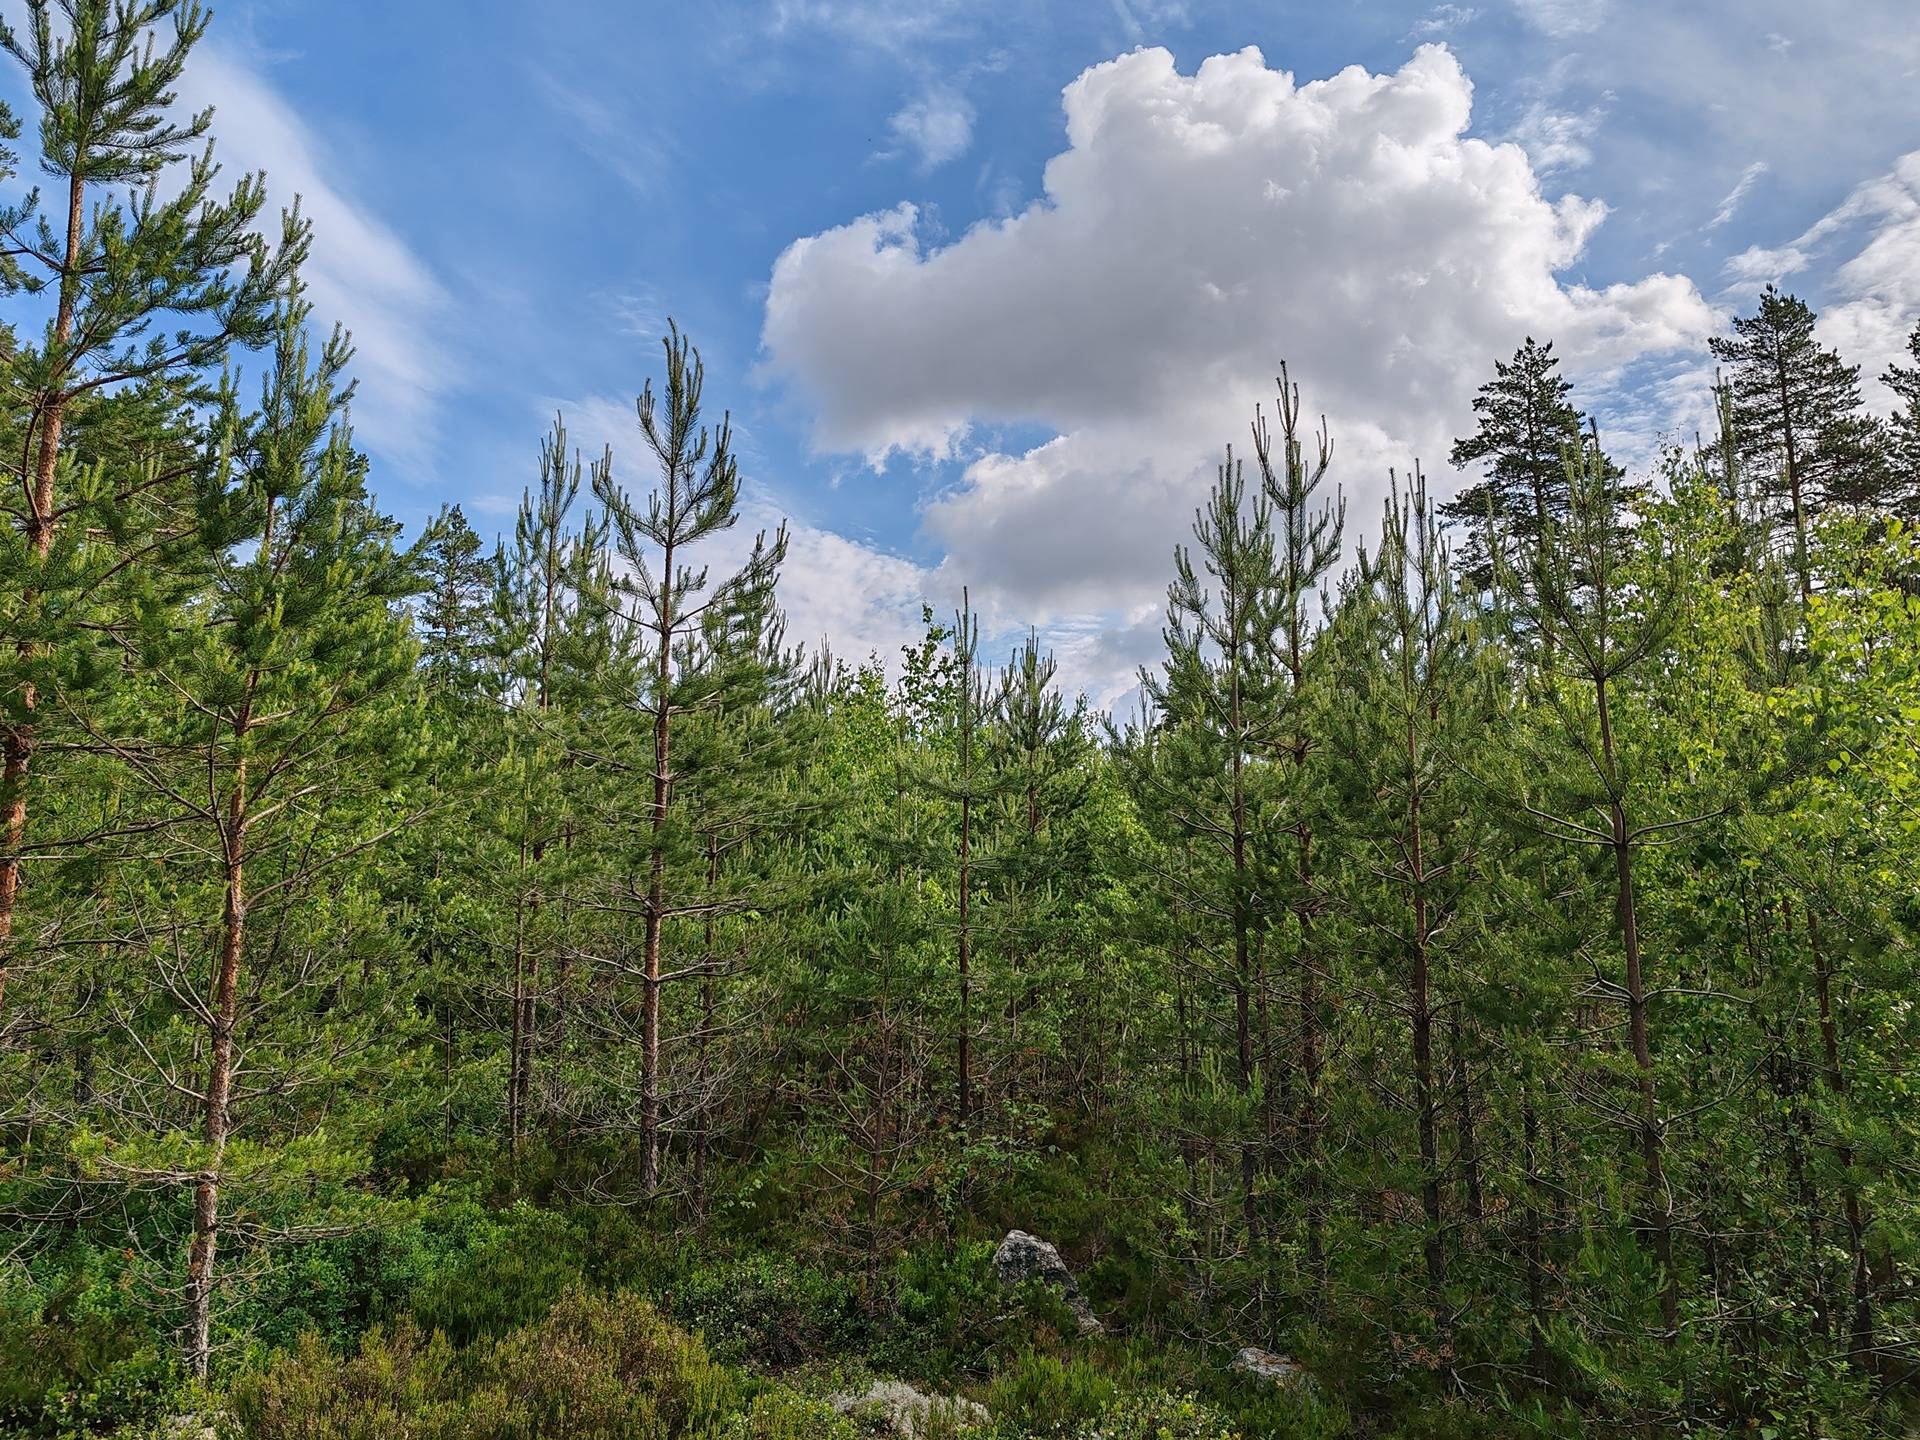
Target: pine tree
x,y
1041,750
1409,704
743,779
666,599
1583,624
1797,418
147,292
553,588
1214,700
284,755
1309,533
1527,423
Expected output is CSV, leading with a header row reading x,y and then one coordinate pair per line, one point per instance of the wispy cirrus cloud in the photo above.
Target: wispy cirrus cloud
x,y
362,273
934,128
1730,204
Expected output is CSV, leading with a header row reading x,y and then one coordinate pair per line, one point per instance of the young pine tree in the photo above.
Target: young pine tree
x,y
1041,748
145,292
1582,631
279,755
667,599
1215,701
1307,546
551,637
1410,704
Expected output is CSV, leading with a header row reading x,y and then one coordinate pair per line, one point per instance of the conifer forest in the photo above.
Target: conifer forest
x,y
459,985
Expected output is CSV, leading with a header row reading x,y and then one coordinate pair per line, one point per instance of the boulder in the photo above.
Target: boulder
x,y
908,1413
1027,1257
1265,1365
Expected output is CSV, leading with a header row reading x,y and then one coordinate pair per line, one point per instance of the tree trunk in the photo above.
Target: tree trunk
x,y
702,1125
216,1117
1860,1344
1533,1242
1659,1222
18,744
657,880
1801,565
1468,1141
1420,1000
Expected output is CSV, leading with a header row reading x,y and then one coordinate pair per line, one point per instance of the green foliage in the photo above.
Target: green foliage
x,y
594,1369
78,1350
453,993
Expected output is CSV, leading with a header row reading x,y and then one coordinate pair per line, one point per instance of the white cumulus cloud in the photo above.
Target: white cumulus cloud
x,y
1196,231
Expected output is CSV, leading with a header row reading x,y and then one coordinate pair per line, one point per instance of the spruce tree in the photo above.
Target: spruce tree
x,y
454,606
1526,424
1797,419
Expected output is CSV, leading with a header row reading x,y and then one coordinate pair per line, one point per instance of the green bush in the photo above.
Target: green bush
x,y
401,1384
511,1269
770,1311
782,1414
597,1368
79,1351
1042,1394
1160,1417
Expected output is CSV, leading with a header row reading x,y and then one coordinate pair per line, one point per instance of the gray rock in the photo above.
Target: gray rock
x,y
1027,1257
1265,1365
906,1412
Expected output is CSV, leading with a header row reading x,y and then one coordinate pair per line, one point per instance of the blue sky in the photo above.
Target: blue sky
x,y
511,198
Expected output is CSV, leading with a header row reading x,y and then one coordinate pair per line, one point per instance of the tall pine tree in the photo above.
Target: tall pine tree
x,y
146,291
667,599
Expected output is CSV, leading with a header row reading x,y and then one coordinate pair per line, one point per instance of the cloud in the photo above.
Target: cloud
x,y
1697,74
1876,290
607,133
934,129
860,600
1557,139
1442,20
1563,18
1749,177
1196,231
361,274
1874,294
885,26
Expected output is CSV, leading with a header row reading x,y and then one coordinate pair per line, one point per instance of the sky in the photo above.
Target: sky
x,y
988,287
